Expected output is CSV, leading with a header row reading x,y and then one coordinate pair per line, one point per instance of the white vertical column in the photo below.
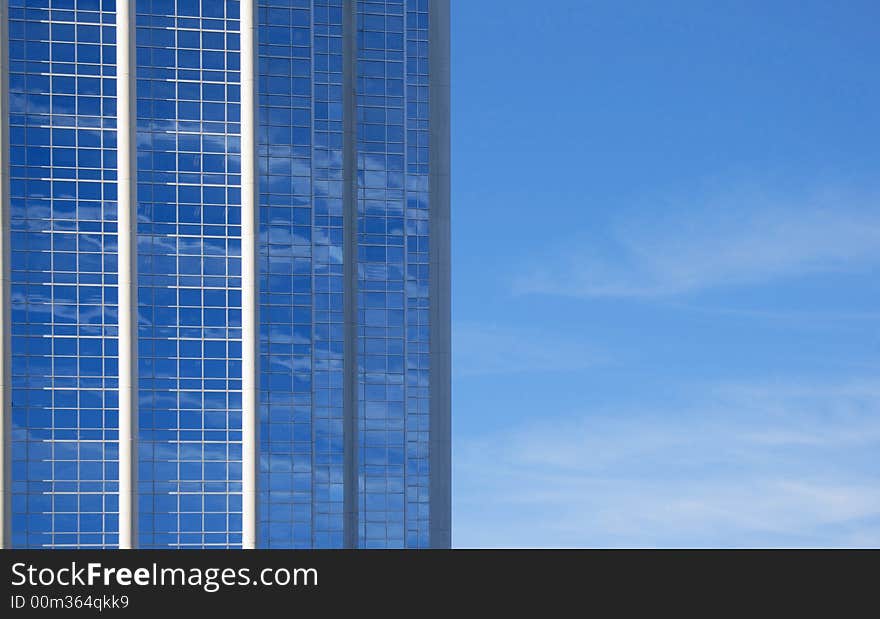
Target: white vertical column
x,y
249,324
5,293
126,157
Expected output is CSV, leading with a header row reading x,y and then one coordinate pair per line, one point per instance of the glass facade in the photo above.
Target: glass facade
x,y
393,271
189,273
343,152
62,121
301,273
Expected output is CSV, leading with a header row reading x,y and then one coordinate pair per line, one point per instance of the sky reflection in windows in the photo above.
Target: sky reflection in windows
x,y
64,304
64,294
189,274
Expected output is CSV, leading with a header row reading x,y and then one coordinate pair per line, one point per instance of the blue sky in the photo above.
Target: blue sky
x,y
666,245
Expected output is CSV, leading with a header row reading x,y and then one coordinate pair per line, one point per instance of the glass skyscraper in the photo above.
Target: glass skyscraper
x,y
225,252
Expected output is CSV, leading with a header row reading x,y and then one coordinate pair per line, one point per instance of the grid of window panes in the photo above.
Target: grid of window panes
x,y
301,339
285,267
417,276
189,284
381,295
329,327
63,233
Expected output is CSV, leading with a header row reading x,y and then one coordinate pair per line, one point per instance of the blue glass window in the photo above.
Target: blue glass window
x,y
393,273
189,273
64,296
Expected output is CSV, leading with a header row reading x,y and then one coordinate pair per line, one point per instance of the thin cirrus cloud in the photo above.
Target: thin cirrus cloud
x,y
743,465
489,349
732,241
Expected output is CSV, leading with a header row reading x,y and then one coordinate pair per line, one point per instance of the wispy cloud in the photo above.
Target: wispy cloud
x,y
688,246
744,465
483,349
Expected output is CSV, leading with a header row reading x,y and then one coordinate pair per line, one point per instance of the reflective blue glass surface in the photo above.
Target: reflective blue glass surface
x,y
63,240
343,265
301,279
393,272
189,273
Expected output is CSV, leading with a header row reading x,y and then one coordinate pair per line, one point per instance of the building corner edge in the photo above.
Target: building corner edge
x,y
440,313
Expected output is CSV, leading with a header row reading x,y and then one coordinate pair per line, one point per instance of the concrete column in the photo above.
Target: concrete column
x,y
126,157
250,418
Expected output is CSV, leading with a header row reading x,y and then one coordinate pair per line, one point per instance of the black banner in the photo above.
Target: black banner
x,y
123,582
